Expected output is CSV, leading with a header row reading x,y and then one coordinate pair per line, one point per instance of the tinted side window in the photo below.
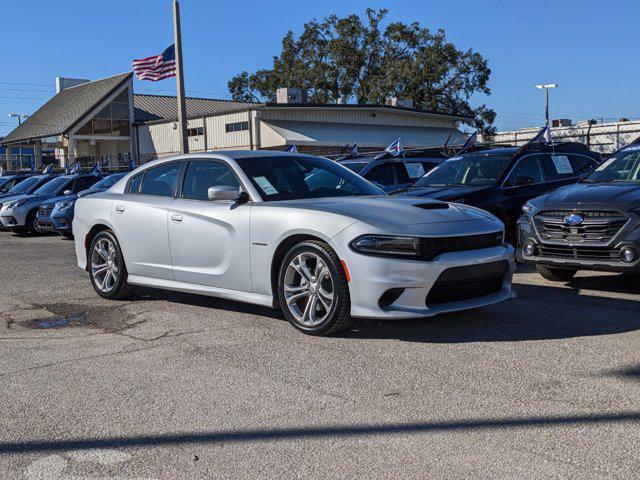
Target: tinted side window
x,y
161,181
528,171
134,184
83,183
202,175
582,164
559,167
382,174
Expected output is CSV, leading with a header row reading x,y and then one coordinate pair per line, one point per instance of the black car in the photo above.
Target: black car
x,y
7,182
501,180
392,173
591,225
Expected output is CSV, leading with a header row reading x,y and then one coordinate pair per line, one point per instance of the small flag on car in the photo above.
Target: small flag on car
x,y
539,136
395,148
353,152
47,169
292,149
96,170
156,67
470,142
132,164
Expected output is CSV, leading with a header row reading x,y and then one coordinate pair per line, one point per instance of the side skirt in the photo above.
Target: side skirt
x,y
254,298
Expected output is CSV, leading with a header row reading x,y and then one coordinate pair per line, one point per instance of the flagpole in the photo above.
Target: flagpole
x,y
182,108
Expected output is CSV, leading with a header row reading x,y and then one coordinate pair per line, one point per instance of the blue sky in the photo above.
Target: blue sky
x,y
588,47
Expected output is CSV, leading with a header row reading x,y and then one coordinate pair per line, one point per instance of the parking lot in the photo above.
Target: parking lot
x,y
180,386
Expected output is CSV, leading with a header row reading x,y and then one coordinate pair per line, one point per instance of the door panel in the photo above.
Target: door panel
x,y
140,222
210,243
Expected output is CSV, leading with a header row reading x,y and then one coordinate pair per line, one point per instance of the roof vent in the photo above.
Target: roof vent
x,y
63,83
290,95
399,102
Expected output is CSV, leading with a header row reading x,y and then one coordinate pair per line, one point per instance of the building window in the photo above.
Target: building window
x,y
236,127
111,120
194,132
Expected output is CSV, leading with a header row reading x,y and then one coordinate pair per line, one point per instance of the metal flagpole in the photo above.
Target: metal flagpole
x,y
182,108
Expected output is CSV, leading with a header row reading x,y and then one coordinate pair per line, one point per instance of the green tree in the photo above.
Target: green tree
x,y
364,62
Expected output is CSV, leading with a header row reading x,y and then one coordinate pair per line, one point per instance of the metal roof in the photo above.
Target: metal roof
x,y
65,109
159,108
367,106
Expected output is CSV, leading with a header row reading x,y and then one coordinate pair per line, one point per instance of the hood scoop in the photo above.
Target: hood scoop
x,y
433,206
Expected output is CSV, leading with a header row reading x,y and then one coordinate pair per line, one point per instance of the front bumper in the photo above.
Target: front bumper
x,y
628,236
372,277
14,217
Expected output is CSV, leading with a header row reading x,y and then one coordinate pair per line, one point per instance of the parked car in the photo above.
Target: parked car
x,y
502,180
56,214
247,226
392,173
26,187
592,225
20,212
7,182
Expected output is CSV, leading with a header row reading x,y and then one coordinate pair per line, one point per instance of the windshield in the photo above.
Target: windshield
x,y
107,182
466,170
292,178
51,186
624,167
355,166
25,185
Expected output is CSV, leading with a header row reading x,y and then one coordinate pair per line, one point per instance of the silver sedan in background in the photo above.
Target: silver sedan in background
x,y
289,231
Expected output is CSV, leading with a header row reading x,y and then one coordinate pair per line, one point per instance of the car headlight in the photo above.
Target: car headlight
x,y
16,204
387,245
64,205
529,210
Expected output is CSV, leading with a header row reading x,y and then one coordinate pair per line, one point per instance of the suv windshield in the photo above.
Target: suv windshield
x,y
624,167
51,186
292,178
467,170
25,185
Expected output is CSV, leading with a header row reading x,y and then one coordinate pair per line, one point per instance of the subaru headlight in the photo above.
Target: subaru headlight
x,y
17,204
529,210
64,205
387,245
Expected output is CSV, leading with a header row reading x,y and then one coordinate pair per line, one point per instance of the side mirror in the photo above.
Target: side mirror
x,y
225,192
67,192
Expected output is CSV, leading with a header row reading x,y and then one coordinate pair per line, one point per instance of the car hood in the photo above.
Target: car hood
x,y
386,210
61,198
620,196
31,198
445,193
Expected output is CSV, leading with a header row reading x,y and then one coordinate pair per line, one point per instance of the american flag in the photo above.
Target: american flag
x,y
156,67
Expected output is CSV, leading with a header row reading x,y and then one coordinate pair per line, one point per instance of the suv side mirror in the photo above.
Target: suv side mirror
x,y
67,192
225,192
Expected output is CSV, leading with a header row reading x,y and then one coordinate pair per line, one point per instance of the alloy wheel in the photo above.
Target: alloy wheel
x,y
308,289
104,265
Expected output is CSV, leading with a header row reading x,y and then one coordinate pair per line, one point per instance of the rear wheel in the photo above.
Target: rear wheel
x,y
107,270
312,289
556,274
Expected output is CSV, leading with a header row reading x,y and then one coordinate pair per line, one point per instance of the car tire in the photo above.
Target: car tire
x,y
556,274
312,289
107,270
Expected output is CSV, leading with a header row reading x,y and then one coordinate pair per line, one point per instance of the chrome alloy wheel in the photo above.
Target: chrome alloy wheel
x,y
104,265
308,289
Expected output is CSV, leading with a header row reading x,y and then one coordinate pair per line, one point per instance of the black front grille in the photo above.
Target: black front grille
x,y
598,227
578,253
464,283
431,247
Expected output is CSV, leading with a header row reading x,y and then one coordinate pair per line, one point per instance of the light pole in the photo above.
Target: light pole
x,y
19,116
546,87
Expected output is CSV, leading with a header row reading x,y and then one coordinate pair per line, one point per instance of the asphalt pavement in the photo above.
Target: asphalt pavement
x,y
181,386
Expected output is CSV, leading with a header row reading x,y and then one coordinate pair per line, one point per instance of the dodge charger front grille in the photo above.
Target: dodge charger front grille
x,y
598,226
465,283
431,247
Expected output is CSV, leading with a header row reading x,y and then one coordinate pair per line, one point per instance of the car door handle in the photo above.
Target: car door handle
x,y
120,209
176,218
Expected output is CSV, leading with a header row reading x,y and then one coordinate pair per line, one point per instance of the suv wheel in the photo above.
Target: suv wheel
x,y
556,274
312,289
107,270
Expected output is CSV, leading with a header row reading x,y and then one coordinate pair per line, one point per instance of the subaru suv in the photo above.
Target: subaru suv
x,y
592,225
501,180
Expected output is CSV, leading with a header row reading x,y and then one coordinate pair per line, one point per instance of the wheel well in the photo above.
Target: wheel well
x,y
279,254
90,236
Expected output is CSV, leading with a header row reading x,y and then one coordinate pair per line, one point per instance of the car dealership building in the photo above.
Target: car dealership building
x,y
104,120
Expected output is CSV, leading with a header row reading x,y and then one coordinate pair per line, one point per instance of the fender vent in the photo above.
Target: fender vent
x,y
433,206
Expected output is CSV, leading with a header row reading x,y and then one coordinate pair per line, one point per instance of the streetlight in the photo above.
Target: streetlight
x,y
19,116
546,87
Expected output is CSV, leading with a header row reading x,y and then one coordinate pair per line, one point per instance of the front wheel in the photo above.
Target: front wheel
x,y
556,274
107,270
312,289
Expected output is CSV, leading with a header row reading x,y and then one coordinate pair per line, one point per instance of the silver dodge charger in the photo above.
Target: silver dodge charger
x,y
289,231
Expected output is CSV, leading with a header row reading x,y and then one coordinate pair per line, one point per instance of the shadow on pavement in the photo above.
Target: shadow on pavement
x,y
296,433
546,313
